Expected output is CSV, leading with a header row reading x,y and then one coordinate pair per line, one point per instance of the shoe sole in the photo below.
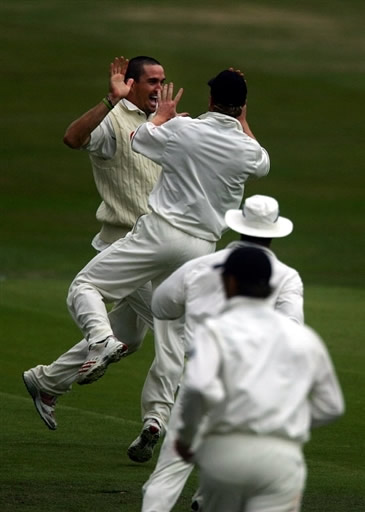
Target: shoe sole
x,y
142,451
98,370
33,391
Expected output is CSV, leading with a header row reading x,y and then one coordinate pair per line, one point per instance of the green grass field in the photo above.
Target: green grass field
x,y
305,67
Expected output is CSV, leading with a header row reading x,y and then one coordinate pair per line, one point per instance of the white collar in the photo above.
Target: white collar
x,y
222,117
133,108
239,301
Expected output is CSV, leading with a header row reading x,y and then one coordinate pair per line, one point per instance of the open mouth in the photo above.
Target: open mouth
x,y
153,100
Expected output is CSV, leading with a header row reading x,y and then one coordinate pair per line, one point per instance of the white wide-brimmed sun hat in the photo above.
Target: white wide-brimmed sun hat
x,y
259,217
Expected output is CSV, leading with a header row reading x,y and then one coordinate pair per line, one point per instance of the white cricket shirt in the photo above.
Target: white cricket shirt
x,y
205,163
196,290
255,371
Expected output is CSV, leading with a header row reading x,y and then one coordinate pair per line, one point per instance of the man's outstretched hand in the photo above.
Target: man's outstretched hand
x,y
166,109
118,88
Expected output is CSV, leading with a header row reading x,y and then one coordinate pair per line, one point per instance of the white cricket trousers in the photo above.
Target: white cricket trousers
x,y
158,394
151,252
248,473
130,319
166,482
238,473
163,378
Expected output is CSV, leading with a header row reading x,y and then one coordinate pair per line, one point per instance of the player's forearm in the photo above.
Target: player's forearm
x,y
246,128
191,416
326,401
78,133
244,123
168,301
327,413
290,303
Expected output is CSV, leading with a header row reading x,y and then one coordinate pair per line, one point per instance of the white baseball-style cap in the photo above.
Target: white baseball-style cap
x,y
259,217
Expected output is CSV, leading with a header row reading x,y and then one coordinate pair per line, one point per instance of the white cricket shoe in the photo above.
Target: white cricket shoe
x,y
101,354
44,403
141,450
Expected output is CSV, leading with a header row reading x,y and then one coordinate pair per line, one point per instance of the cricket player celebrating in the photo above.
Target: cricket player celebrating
x,y
255,384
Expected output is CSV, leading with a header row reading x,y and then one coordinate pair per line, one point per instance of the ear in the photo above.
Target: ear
x,y
130,96
230,285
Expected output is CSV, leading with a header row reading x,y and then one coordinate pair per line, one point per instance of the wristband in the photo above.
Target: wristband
x,y
108,103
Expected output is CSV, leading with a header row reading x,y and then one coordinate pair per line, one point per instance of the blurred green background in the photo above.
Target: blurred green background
x,y
305,67
305,70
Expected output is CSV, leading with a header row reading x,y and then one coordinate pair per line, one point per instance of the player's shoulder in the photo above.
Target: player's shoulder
x,y
300,333
283,269
178,122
